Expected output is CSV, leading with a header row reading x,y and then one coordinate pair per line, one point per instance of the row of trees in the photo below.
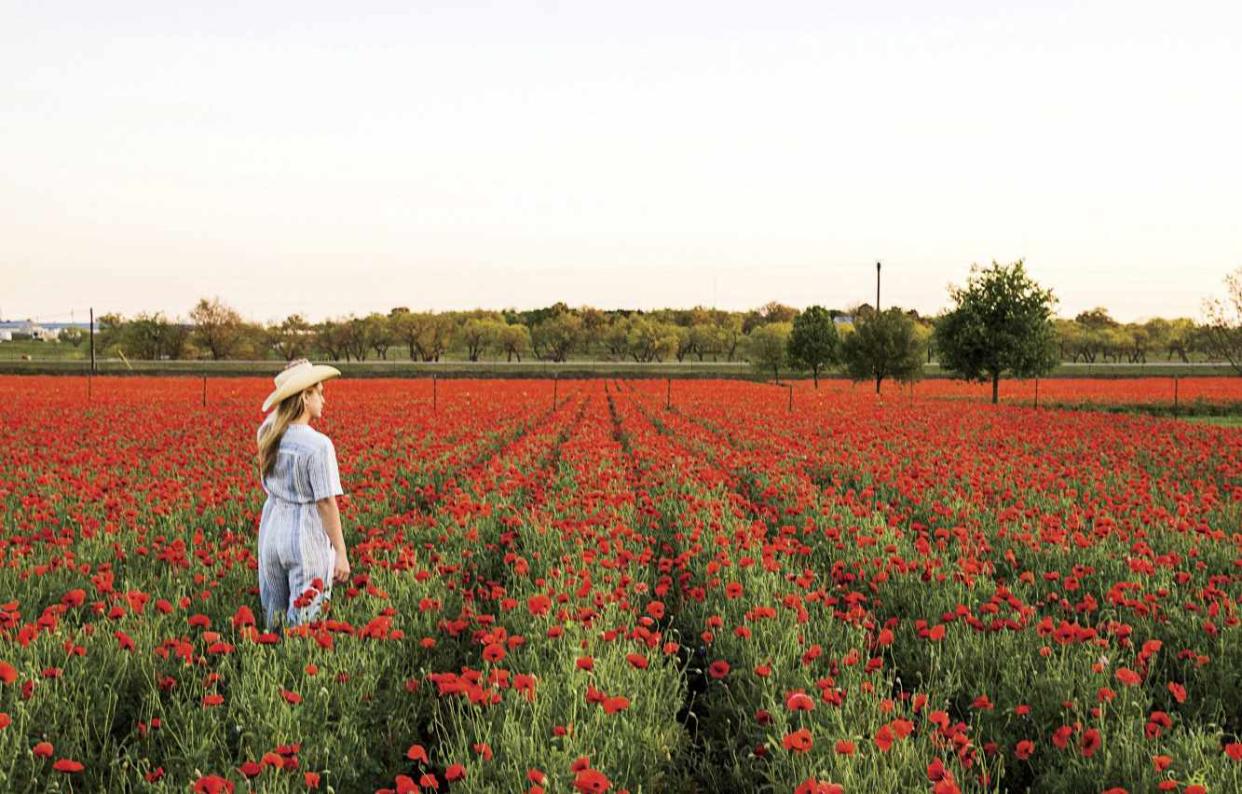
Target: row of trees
x,y
1001,324
774,337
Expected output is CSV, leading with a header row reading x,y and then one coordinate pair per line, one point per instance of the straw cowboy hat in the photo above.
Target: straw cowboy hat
x,y
298,375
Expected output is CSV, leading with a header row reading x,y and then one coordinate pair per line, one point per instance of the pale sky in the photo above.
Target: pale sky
x,y
329,158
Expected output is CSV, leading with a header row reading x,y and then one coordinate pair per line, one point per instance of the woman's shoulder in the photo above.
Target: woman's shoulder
x,y
319,438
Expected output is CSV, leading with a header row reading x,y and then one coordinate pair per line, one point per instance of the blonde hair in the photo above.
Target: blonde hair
x,y
286,411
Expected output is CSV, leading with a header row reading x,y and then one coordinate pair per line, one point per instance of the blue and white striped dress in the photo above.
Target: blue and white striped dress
x,y
294,547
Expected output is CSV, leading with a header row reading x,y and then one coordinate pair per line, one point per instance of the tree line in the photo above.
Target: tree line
x,y
1000,308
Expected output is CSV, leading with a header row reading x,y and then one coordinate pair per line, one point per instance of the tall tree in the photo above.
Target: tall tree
x,y
405,329
1222,334
729,332
513,339
330,338
777,312
477,335
217,327
354,337
154,337
767,347
291,338
1001,323
615,338
813,343
379,333
883,345
555,337
651,340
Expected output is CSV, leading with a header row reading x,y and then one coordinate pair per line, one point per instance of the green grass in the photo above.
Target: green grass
x,y
1219,421
55,351
49,358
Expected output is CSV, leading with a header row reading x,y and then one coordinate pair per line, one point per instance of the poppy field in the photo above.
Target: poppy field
x,y
606,585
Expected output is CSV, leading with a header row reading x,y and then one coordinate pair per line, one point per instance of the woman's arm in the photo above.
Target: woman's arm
x,y
330,516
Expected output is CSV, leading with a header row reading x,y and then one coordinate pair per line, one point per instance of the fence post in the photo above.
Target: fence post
x,y
204,391
556,382
1037,392
433,392
668,394
1176,379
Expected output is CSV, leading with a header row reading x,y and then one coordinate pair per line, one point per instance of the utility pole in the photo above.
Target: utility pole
x,y
877,287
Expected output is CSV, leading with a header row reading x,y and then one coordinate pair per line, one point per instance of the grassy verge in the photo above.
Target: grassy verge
x,y
583,368
1219,421
1227,414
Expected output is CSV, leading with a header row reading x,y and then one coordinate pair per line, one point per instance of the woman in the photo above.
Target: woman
x,y
301,546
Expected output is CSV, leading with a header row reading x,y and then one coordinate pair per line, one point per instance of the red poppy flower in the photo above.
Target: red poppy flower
x,y
1090,742
1127,676
799,741
799,701
815,786
901,727
1024,749
1061,736
637,660
884,738
483,749
591,781
67,766
1178,691
417,752
718,669
213,784
845,747
494,653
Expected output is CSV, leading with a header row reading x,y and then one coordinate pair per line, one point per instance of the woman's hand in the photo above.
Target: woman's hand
x,y
341,572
